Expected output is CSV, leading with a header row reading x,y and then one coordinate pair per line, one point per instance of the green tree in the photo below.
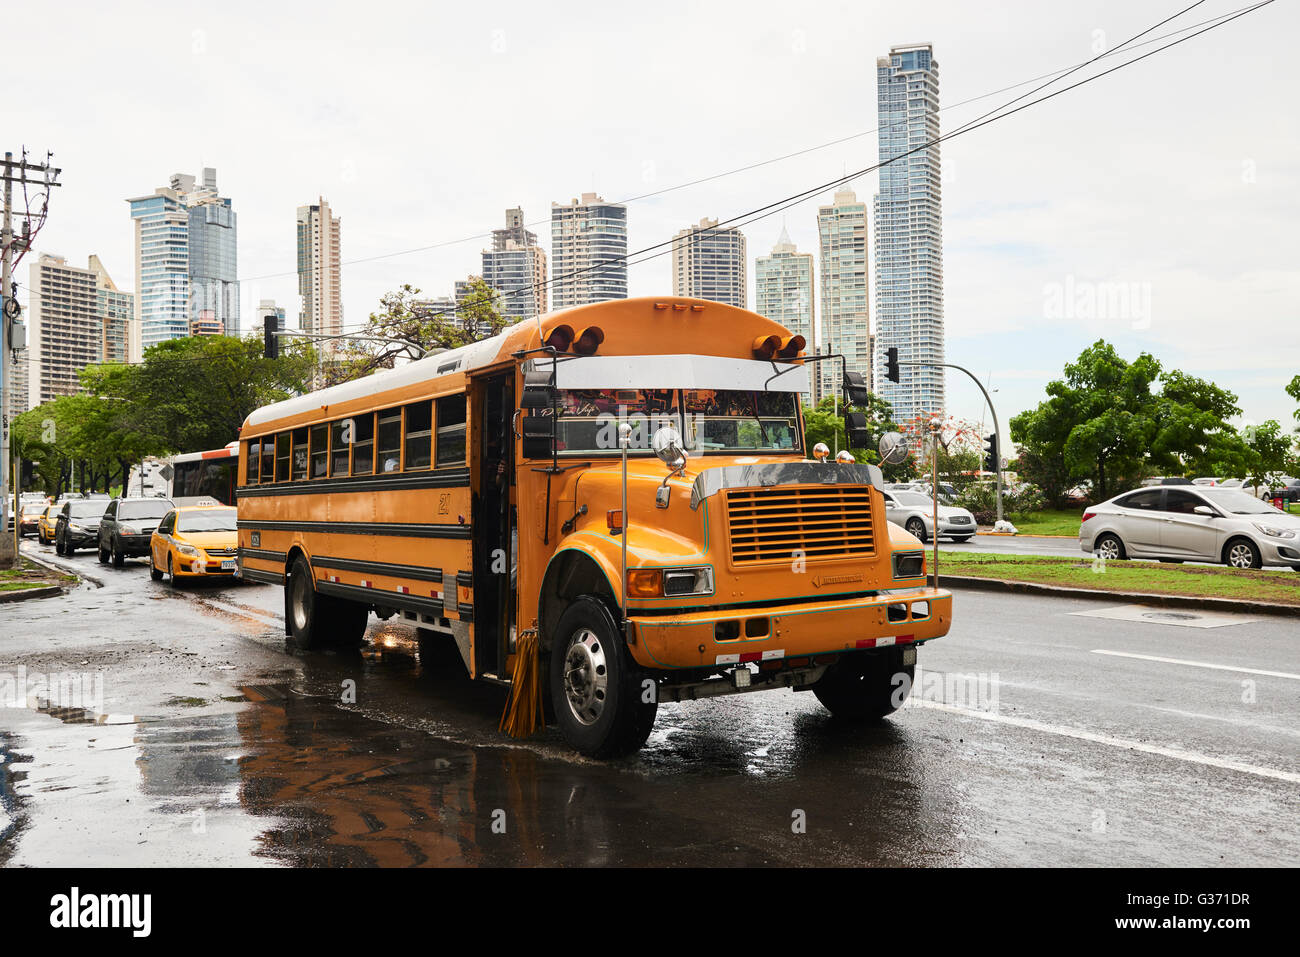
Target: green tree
x,y
1271,453
1106,422
409,330
1293,390
825,423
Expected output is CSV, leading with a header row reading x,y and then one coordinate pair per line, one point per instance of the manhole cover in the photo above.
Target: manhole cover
x,y
1169,616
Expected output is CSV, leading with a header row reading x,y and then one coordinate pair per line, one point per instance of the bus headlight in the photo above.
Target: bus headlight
x,y
909,564
669,582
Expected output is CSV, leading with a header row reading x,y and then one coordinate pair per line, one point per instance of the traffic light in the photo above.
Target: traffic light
x,y
856,433
991,452
855,389
27,477
270,341
891,363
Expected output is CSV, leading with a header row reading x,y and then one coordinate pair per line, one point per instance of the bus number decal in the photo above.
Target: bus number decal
x,y
444,503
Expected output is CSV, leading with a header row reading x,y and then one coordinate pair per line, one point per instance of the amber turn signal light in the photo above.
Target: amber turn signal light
x,y
644,583
614,519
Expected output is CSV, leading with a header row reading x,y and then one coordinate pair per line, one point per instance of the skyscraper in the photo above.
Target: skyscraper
x,y
78,318
515,266
909,231
710,263
186,268
319,266
783,289
585,236
845,324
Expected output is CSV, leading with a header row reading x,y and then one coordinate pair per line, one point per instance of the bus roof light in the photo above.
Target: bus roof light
x,y
765,347
559,338
588,341
791,346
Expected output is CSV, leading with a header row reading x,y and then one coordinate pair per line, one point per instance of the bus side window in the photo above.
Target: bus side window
x,y
338,448
282,457
451,430
389,447
299,454
419,425
363,444
252,451
268,458
320,450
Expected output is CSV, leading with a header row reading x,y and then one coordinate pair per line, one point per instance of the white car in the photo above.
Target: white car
x,y
1192,523
915,513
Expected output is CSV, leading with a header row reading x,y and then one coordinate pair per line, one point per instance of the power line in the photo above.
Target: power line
x,y
656,250
776,159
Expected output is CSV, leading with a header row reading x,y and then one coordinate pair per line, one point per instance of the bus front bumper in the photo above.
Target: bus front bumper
x,y
778,631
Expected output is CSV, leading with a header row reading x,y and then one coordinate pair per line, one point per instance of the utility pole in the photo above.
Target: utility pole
x,y
15,171
993,411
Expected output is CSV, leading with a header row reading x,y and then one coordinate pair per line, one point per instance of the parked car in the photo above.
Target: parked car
x,y
45,524
30,517
914,511
194,541
78,525
1288,491
1192,524
1207,480
127,527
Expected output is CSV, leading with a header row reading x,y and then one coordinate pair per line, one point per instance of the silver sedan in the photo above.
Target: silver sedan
x,y
1192,523
915,512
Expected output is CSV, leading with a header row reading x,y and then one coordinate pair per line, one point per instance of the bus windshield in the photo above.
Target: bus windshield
x,y
709,420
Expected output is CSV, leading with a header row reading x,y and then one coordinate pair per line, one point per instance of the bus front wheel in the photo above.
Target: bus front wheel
x,y
865,685
316,620
604,704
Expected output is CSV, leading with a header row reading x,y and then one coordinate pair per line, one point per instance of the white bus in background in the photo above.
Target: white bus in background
x,y
200,478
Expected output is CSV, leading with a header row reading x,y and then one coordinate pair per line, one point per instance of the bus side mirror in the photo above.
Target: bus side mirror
x,y
856,434
538,436
538,393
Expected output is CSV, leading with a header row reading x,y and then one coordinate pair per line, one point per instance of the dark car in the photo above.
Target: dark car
x,y
78,525
1289,492
127,527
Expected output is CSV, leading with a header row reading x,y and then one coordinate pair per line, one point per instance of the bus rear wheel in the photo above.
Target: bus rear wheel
x,y
865,685
603,704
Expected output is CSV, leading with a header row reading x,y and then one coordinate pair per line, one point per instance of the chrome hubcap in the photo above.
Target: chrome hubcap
x,y
1239,556
586,676
300,602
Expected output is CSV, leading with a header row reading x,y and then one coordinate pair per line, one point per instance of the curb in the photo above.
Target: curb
x,y
1138,597
1026,535
44,591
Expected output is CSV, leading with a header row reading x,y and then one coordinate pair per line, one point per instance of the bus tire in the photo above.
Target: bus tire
x,y
596,686
347,622
863,686
307,609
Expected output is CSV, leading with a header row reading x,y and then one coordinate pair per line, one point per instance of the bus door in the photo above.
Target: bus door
x,y
493,519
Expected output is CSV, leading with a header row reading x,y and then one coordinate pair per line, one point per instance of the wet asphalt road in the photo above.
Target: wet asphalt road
x,y
213,744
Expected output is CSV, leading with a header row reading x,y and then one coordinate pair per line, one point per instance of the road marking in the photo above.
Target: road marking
x,y
1197,664
1177,754
1168,616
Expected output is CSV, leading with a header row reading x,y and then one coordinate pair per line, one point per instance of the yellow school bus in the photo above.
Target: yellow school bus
x,y
604,508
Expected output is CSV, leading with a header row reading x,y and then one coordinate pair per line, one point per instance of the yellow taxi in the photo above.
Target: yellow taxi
x,y
194,541
45,524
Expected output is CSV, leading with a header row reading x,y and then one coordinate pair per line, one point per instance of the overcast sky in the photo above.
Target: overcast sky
x,y
1174,181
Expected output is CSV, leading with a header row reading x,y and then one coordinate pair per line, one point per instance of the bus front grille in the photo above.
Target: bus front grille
x,y
785,523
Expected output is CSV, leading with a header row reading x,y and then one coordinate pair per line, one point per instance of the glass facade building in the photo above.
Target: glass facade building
x,y
710,263
846,322
909,231
515,267
588,252
783,290
186,267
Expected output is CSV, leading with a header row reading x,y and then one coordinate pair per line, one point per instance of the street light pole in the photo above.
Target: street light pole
x,y
996,428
